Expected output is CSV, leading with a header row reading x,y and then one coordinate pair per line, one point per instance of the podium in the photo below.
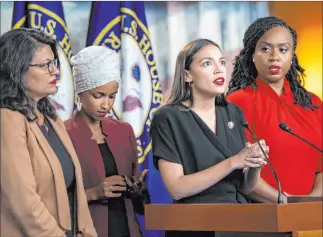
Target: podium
x,y
299,219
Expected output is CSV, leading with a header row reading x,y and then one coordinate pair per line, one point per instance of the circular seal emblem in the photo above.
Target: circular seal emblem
x,y
52,24
140,92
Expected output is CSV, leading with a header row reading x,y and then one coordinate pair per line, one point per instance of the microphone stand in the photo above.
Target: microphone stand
x,y
280,196
285,128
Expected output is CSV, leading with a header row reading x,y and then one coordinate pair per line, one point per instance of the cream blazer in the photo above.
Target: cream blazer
x,y
34,199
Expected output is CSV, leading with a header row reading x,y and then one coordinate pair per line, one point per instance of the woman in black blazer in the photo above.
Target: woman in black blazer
x,y
198,143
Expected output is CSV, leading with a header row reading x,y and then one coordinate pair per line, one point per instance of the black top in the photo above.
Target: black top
x,y
67,167
118,222
179,135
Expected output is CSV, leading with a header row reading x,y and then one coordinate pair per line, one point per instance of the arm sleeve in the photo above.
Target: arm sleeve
x,y
163,142
18,180
318,112
317,102
143,198
134,153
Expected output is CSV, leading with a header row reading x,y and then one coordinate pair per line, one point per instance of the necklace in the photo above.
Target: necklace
x,y
44,125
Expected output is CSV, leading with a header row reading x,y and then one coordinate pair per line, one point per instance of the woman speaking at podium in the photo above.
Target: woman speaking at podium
x,y
266,85
199,145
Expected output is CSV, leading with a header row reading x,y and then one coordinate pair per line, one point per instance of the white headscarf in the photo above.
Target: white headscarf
x,y
95,66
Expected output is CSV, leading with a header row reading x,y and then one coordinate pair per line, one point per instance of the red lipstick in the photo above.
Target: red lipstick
x,y
219,81
53,82
274,69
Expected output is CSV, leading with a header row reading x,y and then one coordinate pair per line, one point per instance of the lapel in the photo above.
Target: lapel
x,y
116,136
64,137
113,141
113,138
233,140
62,199
90,155
91,151
210,135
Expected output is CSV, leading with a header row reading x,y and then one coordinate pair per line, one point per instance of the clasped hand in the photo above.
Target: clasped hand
x,y
136,187
251,156
114,186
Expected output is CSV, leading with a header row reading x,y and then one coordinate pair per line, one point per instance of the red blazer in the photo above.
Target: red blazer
x,y
122,143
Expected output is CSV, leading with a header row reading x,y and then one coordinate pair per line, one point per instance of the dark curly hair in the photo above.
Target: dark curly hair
x,y
17,48
245,72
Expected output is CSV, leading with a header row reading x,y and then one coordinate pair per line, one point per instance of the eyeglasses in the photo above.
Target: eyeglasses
x,y
51,65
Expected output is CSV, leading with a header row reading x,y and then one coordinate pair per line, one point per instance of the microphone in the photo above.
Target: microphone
x,y
280,200
285,128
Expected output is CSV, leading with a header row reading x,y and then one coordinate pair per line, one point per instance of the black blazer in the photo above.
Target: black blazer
x,y
179,135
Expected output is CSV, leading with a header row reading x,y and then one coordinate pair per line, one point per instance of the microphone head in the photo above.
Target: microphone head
x,y
244,123
284,127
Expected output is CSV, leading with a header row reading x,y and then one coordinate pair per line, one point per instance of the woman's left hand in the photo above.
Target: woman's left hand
x,y
256,157
137,192
136,186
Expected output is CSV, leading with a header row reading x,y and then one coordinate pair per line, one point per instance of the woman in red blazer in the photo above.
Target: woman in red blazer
x,y
106,148
267,85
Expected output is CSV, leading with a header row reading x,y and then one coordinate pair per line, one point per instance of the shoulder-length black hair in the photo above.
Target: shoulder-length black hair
x,y
17,48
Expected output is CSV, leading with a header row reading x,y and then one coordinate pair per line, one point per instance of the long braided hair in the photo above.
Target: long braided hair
x,y
245,72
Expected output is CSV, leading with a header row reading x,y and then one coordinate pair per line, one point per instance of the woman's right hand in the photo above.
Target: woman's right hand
x,y
250,156
112,186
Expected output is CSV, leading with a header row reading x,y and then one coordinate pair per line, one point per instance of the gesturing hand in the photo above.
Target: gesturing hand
x,y
250,157
137,192
136,186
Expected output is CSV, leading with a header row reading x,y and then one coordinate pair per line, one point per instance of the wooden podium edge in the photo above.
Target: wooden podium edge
x,y
245,218
312,233
295,216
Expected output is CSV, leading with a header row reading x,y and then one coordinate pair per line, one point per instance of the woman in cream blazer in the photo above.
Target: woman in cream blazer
x,y
35,200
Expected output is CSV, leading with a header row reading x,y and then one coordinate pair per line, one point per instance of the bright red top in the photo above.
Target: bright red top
x,y
295,162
